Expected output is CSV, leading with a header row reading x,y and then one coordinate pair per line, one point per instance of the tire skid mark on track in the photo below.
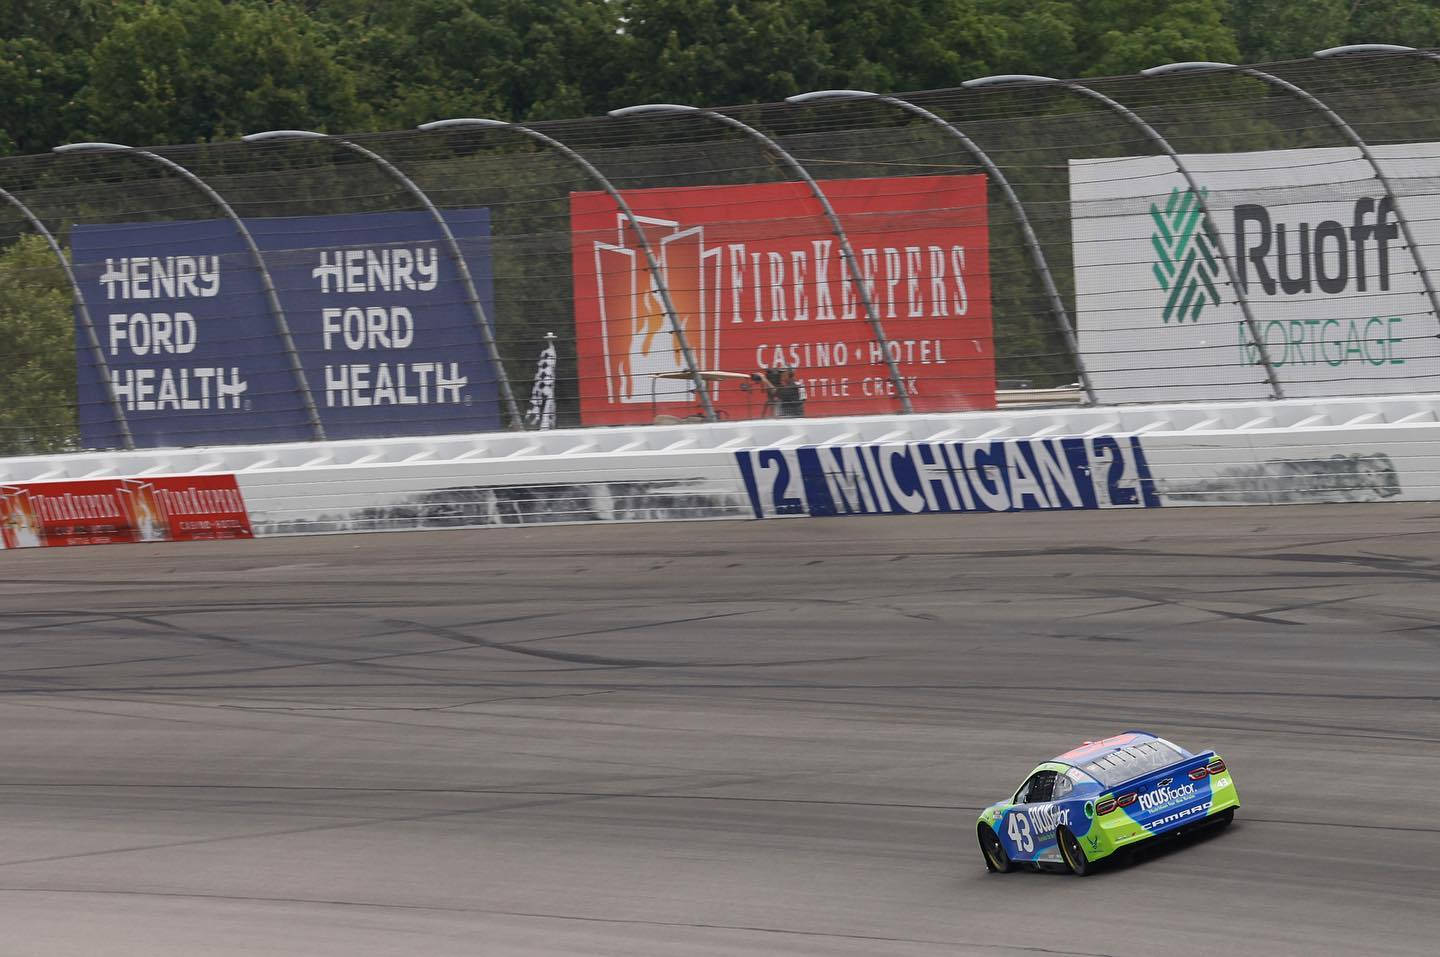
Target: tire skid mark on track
x,y
543,800
295,758
603,660
544,916
1243,819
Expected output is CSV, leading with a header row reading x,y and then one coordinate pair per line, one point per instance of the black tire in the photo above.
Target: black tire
x,y
996,860
1072,853
1222,820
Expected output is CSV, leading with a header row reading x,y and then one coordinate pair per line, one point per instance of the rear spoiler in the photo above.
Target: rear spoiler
x,y
1197,767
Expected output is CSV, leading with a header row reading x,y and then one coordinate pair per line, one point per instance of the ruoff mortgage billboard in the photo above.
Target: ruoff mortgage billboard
x,y
757,279
1317,251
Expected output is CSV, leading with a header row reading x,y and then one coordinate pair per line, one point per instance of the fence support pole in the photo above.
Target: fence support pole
x,y
1277,391
1017,209
467,282
92,341
662,286
297,371
846,252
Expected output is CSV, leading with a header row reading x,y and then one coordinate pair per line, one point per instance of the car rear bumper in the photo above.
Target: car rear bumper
x,y
1105,837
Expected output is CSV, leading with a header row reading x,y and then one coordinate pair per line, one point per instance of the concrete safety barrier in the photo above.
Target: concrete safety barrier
x,y
1373,449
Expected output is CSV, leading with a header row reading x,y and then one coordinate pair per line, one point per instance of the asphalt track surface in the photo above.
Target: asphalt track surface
x,y
720,738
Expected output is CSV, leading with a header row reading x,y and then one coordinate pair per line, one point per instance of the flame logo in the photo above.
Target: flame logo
x,y
637,336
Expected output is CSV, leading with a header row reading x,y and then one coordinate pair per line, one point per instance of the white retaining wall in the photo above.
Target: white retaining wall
x,y
1336,450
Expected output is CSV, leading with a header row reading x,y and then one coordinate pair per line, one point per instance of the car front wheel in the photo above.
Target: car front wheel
x,y
996,860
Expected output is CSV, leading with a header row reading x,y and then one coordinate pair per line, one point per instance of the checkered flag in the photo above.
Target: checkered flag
x,y
542,394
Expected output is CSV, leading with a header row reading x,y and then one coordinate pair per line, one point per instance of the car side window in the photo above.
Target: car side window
x,y
1063,787
1037,789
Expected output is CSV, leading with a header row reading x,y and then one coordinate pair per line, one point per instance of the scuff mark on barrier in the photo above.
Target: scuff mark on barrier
x,y
1355,477
482,506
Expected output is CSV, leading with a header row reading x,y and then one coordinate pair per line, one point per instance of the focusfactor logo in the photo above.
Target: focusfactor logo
x,y
1186,265
1048,817
1165,795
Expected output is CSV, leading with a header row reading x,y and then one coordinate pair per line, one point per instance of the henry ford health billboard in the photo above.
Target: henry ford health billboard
x,y
386,336
1317,250
758,282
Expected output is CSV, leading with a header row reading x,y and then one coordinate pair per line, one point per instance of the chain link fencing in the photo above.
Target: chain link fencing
x,y
1204,233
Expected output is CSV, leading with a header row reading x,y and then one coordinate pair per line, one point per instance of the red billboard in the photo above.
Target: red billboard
x,y
106,511
760,285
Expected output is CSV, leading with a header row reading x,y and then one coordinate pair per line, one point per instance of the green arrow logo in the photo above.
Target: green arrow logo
x,y
1185,265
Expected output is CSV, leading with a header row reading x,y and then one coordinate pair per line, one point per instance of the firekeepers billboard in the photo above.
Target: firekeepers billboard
x,y
1316,248
758,282
384,332
106,511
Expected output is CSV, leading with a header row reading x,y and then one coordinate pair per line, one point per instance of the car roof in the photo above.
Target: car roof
x,y
1094,750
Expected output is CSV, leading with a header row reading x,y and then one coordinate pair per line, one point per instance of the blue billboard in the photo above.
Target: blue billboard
x,y
384,329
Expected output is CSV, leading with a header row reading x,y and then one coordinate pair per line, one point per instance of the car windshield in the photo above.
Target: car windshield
x,y
1122,764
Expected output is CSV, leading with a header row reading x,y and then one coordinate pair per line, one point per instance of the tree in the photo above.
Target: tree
x,y
511,59
716,52
1411,23
1117,37
37,368
186,71
909,45
1291,29
1037,37
45,59
1282,29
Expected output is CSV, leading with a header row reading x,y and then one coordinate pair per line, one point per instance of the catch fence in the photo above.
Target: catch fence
x,y
1203,232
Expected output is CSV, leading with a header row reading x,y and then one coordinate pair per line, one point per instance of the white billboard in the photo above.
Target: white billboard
x,y
1316,249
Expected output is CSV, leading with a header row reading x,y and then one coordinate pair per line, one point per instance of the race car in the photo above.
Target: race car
x,y
1102,797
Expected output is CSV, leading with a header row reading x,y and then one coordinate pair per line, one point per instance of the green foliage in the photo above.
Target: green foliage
x,y
45,60
682,50
176,71
199,70
1411,22
1280,29
1290,29
37,364
1040,37
428,59
1126,36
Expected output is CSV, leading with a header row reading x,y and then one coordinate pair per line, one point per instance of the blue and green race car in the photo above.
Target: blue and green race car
x,y
1105,796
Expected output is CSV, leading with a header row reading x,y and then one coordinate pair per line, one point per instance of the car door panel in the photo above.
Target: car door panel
x,y
1027,827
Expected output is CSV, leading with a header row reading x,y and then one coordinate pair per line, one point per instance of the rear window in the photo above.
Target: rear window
x,y
1131,761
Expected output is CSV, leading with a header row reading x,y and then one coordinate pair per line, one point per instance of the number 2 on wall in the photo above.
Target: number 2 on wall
x,y
1019,831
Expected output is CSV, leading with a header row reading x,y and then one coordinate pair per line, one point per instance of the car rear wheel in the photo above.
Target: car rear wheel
x,y
996,860
1223,819
1073,854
